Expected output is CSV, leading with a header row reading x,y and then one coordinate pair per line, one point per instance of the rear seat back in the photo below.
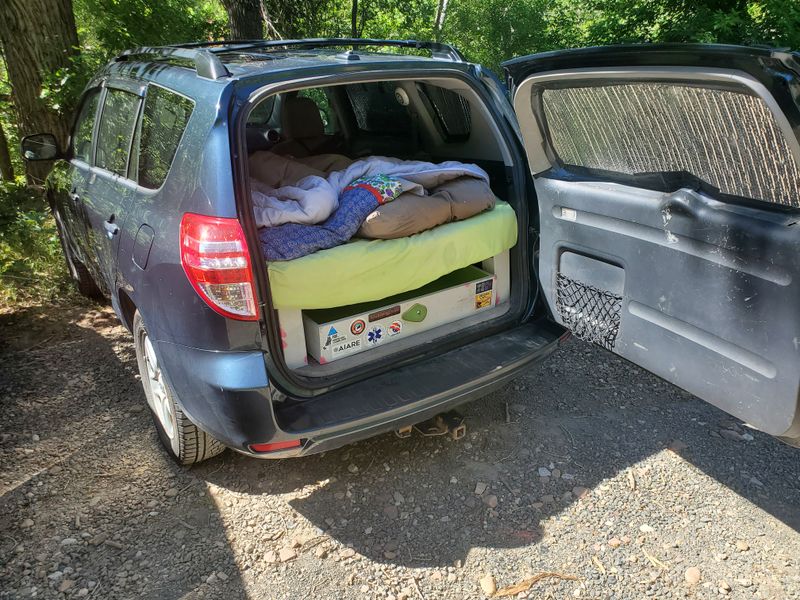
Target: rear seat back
x,y
303,129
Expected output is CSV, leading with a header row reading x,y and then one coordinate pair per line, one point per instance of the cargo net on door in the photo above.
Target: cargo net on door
x,y
590,313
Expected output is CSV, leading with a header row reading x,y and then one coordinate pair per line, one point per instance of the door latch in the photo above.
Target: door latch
x,y
111,228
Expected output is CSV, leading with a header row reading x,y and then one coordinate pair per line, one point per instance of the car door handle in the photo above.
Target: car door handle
x,y
111,228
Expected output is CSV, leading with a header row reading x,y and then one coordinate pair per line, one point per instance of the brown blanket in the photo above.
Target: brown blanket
x,y
410,213
277,171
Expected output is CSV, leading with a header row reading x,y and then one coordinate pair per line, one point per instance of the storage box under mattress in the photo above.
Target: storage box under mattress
x,y
334,333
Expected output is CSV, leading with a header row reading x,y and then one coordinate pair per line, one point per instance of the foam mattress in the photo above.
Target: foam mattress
x,y
367,270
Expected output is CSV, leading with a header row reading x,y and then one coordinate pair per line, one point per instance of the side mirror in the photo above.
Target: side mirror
x,y
40,146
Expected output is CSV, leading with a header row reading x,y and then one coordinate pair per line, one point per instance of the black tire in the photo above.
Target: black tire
x,y
77,270
185,442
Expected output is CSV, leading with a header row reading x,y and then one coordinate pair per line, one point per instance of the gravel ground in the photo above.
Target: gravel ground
x,y
587,467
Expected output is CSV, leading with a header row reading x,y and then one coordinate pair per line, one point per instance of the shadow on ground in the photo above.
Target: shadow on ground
x,y
414,500
84,501
94,485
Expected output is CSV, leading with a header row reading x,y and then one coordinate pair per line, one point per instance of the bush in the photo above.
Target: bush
x,y
32,266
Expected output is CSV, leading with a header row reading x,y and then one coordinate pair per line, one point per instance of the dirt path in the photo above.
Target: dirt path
x,y
568,470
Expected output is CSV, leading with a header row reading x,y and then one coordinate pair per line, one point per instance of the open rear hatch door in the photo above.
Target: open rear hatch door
x,y
668,186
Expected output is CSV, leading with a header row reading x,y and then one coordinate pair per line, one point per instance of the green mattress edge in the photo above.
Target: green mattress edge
x,y
386,267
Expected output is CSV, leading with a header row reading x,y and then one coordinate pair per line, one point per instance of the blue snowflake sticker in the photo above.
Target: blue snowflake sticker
x,y
374,335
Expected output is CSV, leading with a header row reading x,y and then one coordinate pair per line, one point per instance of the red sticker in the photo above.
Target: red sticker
x,y
357,327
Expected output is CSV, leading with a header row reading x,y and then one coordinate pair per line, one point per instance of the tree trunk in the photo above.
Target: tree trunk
x,y
245,18
38,38
441,11
364,9
6,168
354,20
272,31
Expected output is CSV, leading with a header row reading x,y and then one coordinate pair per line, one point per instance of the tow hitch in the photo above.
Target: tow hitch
x,y
451,423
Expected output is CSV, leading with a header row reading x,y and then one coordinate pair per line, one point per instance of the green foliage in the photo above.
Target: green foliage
x,y
109,26
773,22
32,267
308,18
490,31
106,27
332,18
61,89
387,19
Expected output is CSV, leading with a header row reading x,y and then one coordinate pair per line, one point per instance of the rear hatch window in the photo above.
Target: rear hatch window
x,y
724,137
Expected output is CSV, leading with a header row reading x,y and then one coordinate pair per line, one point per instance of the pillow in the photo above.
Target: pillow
x,y
467,197
410,213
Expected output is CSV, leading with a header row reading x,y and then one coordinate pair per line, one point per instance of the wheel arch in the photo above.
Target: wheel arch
x,y
127,309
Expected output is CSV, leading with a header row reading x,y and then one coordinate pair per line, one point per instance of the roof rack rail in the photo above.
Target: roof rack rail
x,y
206,63
437,49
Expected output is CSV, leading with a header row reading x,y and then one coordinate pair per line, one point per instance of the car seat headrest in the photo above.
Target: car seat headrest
x,y
300,118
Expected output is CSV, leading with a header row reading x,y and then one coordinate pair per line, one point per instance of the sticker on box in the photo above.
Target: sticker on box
x,y
357,327
483,286
483,294
382,314
347,347
395,328
334,338
483,300
375,336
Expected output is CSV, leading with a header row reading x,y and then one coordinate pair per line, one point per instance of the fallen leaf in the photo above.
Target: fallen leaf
x,y
654,561
525,585
599,565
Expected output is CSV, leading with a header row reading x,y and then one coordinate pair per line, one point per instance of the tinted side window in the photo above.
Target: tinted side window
x,y
84,125
452,112
376,110
163,121
116,130
723,137
262,113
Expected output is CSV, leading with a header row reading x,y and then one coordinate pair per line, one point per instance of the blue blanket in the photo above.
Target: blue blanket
x,y
356,202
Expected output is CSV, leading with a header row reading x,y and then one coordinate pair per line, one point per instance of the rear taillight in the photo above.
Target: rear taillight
x,y
215,258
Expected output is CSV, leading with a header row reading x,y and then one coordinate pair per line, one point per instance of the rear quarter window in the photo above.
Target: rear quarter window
x,y
725,137
262,113
450,110
376,109
164,120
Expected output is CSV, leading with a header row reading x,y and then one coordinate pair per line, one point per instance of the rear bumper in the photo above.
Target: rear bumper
x,y
228,394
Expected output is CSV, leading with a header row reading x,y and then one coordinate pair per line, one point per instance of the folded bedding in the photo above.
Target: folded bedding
x,y
411,213
276,171
314,198
366,270
293,190
295,240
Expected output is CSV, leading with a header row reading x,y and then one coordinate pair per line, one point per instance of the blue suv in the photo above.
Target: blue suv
x,y
646,200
